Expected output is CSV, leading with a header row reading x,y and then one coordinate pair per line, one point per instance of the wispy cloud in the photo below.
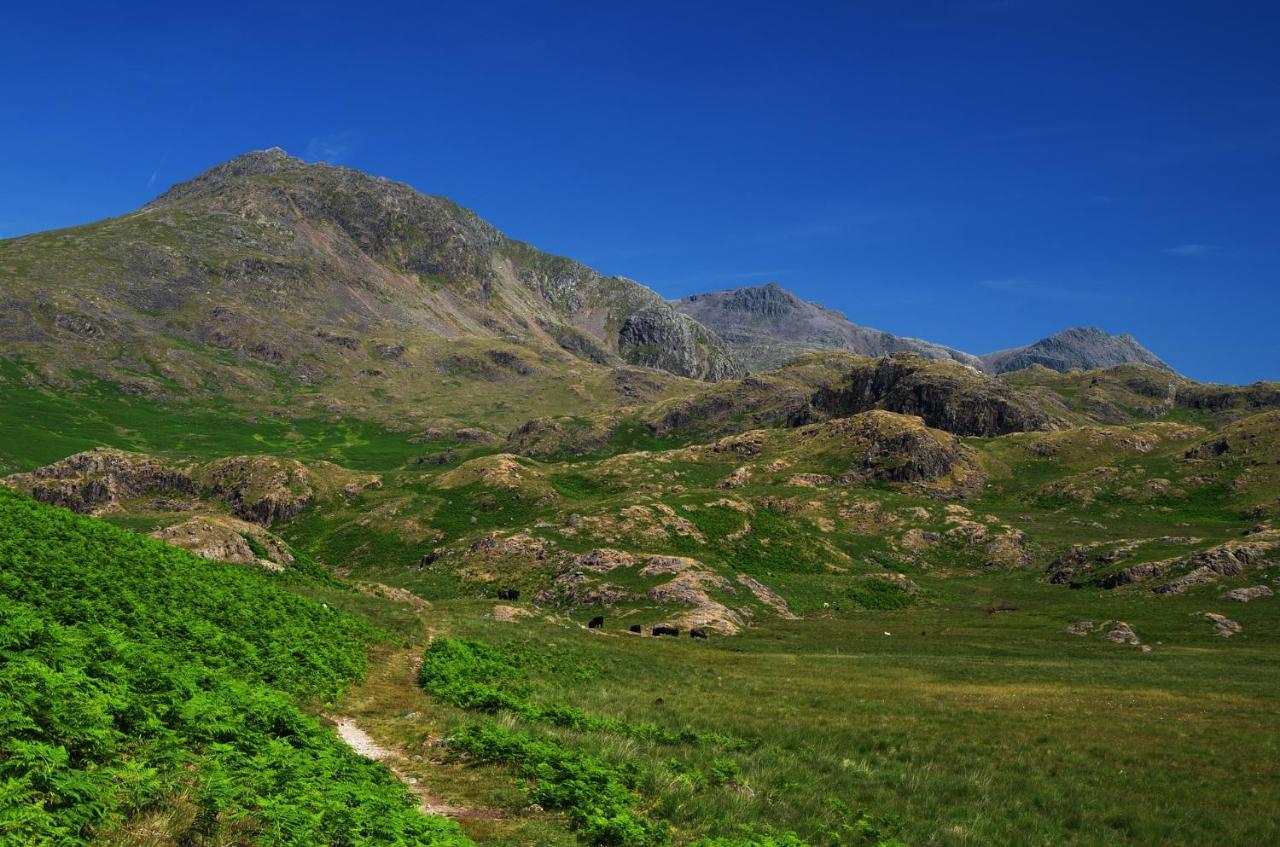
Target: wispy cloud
x,y
739,276
1188,250
151,180
821,227
1035,289
333,148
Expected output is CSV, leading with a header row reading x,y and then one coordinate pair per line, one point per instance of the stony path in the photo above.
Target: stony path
x,y
365,744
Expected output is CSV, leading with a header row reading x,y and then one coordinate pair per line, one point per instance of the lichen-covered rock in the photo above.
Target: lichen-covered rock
x,y
1120,633
887,447
263,489
945,395
98,480
1222,625
809,480
1009,549
226,539
1245,595
509,614
1229,559
660,337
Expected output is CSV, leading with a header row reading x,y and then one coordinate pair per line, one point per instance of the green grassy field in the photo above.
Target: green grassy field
x,y
960,726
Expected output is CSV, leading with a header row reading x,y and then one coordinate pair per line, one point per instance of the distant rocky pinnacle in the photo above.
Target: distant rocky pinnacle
x,y
1080,347
767,325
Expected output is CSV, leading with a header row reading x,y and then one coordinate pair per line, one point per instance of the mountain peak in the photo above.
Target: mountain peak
x,y
768,325
769,301
273,160
1083,347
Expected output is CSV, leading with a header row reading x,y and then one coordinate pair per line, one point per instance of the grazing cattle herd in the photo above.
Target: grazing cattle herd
x,y
598,621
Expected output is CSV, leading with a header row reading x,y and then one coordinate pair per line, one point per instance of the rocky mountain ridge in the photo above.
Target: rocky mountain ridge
x,y
768,325
267,271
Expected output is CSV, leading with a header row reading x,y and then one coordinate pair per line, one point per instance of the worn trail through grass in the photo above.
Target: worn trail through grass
x,y
365,744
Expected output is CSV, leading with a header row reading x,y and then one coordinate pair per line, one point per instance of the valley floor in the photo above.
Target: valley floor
x,y
976,720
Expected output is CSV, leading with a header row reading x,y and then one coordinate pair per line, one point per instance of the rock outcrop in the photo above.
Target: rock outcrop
x,y
225,539
1222,625
885,447
260,489
946,395
98,480
1246,595
660,337
1230,559
698,592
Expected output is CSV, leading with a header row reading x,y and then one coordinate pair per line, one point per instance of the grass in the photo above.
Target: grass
x,y
961,715
960,727
42,425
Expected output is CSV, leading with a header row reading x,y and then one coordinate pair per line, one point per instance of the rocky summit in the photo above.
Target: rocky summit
x,y
1081,348
267,271
767,325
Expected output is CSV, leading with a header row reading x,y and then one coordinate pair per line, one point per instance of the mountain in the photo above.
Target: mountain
x,y
767,325
1081,347
267,275
500,481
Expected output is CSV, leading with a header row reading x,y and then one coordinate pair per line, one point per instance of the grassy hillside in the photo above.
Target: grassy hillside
x,y
152,696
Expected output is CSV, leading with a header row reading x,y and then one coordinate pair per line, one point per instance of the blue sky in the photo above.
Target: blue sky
x,y
980,174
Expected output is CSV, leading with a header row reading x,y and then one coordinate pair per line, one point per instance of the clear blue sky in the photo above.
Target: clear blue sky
x,y
977,173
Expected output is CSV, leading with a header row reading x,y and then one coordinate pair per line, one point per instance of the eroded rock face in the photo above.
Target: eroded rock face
x,y
767,325
660,337
225,539
261,489
694,590
97,480
1225,560
946,395
889,447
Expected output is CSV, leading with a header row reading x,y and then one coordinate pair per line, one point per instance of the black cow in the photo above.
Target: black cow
x,y
665,630
697,633
596,623
636,628
508,594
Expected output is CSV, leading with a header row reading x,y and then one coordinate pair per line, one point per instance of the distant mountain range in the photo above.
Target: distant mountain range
x,y
279,283
766,326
